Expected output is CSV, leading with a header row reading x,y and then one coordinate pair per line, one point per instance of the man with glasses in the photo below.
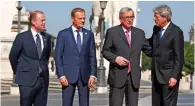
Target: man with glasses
x,y
122,48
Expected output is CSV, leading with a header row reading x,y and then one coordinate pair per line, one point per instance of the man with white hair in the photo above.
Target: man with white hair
x,y
122,48
167,44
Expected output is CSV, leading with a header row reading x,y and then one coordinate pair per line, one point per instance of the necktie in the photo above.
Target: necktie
x,y
129,42
128,38
160,34
38,43
78,41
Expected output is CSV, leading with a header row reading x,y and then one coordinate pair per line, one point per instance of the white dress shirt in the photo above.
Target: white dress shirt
x,y
128,31
165,28
34,33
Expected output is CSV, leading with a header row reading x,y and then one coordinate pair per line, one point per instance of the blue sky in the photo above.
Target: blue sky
x,y
58,14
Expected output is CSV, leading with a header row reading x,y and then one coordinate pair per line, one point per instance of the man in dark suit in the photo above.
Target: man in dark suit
x,y
29,58
122,48
75,58
167,58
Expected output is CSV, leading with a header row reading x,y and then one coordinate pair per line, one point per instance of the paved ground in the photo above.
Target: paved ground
x,y
54,99
184,99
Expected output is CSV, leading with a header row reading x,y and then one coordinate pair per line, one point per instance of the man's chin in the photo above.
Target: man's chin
x,y
81,27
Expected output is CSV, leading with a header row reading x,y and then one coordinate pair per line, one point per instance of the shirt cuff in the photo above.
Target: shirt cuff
x,y
93,76
62,77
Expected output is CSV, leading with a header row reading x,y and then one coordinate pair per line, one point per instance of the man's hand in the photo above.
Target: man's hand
x,y
121,61
172,82
91,82
63,81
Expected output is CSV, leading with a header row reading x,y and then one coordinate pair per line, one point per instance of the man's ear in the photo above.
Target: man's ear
x,y
72,18
33,22
120,20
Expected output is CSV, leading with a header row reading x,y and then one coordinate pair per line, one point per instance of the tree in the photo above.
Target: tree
x,y
188,58
146,62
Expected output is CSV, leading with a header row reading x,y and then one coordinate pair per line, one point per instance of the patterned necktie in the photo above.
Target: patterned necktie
x,y
38,43
128,38
160,34
129,42
78,41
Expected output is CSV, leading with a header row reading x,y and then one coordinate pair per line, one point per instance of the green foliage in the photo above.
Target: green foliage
x,y
146,62
188,67
188,57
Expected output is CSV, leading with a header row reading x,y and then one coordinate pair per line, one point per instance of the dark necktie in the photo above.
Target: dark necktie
x,y
38,43
78,41
160,34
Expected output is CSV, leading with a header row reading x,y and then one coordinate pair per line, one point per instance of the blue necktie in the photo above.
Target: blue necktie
x,y
160,34
78,41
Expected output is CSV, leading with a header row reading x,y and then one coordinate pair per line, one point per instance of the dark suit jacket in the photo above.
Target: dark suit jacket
x,y
116,45
69,62
25,61
167,53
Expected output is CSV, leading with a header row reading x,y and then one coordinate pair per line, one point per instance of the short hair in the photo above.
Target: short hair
x,y
76,10
33,15
164,11
124,10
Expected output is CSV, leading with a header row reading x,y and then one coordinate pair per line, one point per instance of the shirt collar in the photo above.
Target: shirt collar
x,y
34,33
166,26
75,29
126,29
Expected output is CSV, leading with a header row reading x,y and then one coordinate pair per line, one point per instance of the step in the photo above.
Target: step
x,y
5,87
5,92
53,79
55,86
6,81
54,89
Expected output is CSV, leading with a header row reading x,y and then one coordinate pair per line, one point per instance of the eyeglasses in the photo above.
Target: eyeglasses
x,y
129,18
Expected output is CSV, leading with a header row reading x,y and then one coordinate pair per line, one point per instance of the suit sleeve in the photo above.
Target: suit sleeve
x,y
107,48
92,54
150,40
146,48
59,50
15,52
178,47
49,47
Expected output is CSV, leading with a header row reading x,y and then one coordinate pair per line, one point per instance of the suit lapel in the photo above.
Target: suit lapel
x,y
85,36
44,43
133,39
133,35
156,30
73,39
122,34
165,35
33,43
